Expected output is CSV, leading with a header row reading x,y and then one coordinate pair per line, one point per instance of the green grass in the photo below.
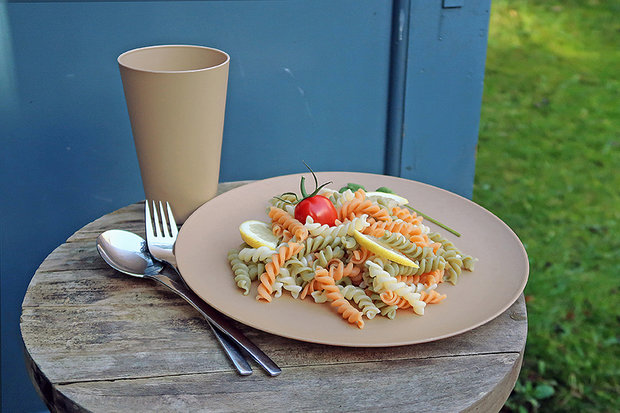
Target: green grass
x,y
549,165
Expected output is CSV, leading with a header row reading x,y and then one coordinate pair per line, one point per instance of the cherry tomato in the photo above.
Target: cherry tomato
x,y
319,208
316,206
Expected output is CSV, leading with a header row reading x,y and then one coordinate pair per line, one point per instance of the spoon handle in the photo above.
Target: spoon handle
x,y
218,320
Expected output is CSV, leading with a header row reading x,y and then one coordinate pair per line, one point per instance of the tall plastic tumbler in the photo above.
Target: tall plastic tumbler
x,y
176,99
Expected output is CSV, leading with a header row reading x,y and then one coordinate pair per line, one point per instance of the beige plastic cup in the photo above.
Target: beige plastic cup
x,y
176,98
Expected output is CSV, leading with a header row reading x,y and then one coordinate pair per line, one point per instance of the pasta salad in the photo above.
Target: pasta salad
x,y
376,258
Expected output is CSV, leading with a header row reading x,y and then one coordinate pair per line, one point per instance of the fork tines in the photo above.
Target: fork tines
x,y
162,222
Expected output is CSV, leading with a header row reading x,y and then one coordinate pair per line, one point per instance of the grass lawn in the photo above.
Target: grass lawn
x,y
549,165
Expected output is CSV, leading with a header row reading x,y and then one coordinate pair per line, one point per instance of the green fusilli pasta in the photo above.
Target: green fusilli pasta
x,y
241,271
401,243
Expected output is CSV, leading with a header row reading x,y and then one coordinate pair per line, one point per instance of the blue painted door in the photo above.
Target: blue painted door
x,y
358,85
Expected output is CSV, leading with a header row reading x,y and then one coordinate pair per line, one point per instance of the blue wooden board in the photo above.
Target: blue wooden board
x,y
443,93
309,80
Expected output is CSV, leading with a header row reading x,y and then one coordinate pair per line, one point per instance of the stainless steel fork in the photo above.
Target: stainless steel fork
x,y
161,237
161,234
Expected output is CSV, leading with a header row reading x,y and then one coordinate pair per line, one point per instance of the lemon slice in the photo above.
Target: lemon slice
x,y
374,244
399,199
258,234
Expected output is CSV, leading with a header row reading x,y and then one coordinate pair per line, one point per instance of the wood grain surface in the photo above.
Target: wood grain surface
x,y
97,340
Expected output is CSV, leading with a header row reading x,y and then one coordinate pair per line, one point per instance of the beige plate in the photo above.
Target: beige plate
x,y
498,280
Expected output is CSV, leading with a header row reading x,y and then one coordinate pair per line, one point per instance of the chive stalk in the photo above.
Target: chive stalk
x,y
434,221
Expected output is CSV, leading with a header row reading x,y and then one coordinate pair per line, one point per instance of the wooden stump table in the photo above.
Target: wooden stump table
x,y
97,340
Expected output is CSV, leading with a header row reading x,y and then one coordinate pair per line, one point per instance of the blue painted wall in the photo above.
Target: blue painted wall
x,y
309,80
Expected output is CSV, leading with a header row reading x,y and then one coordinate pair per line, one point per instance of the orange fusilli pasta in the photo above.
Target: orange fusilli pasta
x,y
359,206
390,298
360,255
344,307
378,228
308,289
272,269
407,216
287,222
431,297
280,232
432,277
428,279
408,279
338,270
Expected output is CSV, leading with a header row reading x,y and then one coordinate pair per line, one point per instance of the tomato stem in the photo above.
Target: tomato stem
x,y
285,200
316,182
302,185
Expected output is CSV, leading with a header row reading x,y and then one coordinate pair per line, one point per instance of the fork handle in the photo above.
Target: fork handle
x,y
219,321
233,353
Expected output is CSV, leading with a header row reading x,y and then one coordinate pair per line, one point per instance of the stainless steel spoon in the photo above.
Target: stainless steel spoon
x,y
128,253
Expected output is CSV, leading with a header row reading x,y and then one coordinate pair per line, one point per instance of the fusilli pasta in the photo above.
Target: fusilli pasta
x,y
327,264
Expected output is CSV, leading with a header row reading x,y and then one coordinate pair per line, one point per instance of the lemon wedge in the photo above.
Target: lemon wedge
x,y
258,234
399,199
374,244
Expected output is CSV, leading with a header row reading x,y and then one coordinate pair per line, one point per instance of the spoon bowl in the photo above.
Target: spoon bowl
x,y
128,253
